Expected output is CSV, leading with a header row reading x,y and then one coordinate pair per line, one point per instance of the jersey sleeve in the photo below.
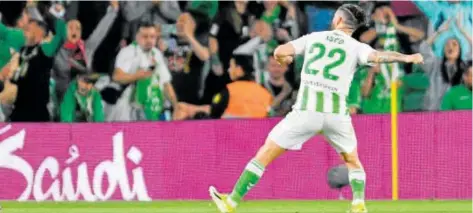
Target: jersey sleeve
x,y
364,52
124,60
299,44
50,48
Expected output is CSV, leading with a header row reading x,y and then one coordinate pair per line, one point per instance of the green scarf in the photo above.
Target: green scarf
x,y
391,71
85,105
272,16
89,105
379,100
148,94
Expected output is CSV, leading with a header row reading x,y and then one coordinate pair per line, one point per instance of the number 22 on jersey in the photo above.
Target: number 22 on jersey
x,y
336,54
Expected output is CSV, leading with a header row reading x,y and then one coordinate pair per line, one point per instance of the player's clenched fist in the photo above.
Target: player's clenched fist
x,y
415,59
284,60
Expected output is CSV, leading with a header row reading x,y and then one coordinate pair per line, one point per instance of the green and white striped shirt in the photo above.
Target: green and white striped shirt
x,y
331,59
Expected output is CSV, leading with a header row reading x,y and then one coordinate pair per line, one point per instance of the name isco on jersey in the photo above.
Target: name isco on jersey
x,y
319,84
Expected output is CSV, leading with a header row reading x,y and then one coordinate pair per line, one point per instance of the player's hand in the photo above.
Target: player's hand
x,y
283,61
415,59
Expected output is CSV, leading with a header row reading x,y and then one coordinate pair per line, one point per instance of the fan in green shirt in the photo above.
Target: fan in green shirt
x,y
376,92
459,97
82,102
12,39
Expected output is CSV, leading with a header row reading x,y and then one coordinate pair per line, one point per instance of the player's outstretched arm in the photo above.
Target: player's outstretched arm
x,y
391,56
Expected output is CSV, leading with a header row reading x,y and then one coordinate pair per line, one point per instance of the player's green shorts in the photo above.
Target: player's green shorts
x,y
299,126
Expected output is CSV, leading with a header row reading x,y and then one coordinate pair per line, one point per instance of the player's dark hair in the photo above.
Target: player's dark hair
x,y
354,14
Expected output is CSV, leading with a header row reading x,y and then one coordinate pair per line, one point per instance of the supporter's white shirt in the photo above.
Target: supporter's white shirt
x,y
330,60
131,59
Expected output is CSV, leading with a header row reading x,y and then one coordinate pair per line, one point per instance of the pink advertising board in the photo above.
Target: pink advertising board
x,y
179,160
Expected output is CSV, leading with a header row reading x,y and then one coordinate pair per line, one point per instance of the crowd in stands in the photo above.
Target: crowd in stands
x,y
83,61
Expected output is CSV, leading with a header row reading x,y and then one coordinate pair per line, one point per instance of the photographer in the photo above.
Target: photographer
x,y
142,69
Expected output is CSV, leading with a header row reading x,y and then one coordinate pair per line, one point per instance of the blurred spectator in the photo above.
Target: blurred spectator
x,y
76,55
386,28
279,88
260,46
440,12
376,91
12,39
282,19
281,15
443,72
32,76
198,44
459,97
414,88
190,51
243,98
319,13
8,90
229,29
82,102
141,68
163,13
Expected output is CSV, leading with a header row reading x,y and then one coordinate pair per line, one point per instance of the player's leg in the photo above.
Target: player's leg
x,y
254,169
356,176
249,177
341,135
290,133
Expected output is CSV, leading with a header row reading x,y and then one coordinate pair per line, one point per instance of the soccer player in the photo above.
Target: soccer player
x,y
331,58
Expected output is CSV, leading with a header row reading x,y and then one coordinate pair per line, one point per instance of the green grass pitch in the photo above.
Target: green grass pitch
x,y
246,207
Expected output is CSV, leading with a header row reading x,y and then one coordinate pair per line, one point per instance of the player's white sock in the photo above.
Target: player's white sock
x,y
357,179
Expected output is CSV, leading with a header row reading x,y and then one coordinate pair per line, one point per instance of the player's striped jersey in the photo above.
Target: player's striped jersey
x,y
330,60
